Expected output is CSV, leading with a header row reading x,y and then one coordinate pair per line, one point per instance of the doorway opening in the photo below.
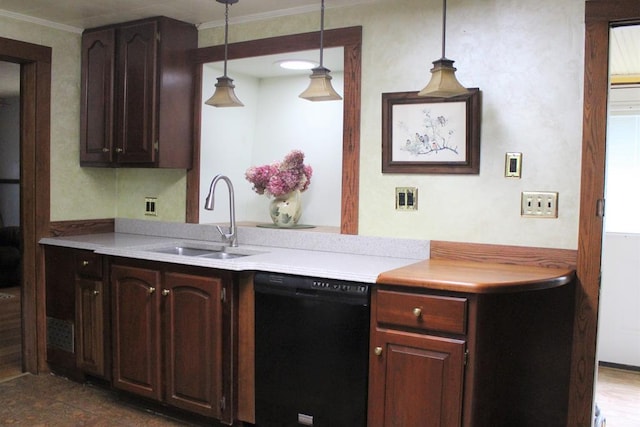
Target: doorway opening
x,y
618,351
10,227
35,130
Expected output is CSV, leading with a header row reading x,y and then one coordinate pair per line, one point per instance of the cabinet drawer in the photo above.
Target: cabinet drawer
x,y
429,312
88,264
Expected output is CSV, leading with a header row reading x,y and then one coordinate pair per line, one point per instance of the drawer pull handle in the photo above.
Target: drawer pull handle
x,y
119,150
85,263
105,150
377,351
166,292
417,312
95,293
151,290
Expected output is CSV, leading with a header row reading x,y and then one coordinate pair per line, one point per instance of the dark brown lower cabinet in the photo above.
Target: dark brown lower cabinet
x,y
78,336
172,334
90,326
444,359
421,379
416,377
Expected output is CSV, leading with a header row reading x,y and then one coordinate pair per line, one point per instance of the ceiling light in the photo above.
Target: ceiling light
x,y
296,64
443,81
224,95
320,88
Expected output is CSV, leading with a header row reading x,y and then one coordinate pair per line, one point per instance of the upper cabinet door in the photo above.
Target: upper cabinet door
x,y
97,86
136,119
137,94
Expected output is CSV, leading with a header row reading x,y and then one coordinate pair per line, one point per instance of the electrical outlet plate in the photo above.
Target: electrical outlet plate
x,y
406,198
539,204
150,206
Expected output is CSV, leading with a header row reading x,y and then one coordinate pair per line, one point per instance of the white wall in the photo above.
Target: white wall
x,y
273,122
527,58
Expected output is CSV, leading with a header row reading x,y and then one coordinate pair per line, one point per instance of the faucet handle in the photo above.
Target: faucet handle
x,y
226,236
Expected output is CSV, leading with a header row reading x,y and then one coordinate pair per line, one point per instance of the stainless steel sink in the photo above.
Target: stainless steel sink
x,y
187,251
215,252
224,255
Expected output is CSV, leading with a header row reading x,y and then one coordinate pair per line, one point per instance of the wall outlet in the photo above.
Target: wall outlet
x,y
150,206
406,198
539,204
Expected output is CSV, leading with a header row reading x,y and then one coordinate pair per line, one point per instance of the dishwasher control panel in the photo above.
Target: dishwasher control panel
x,y
340,286
303,285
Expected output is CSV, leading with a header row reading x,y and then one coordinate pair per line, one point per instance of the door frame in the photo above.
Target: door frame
x,y
600,15
35,130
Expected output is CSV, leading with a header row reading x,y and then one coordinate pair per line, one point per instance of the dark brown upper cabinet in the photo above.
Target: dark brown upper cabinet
x,y
137,94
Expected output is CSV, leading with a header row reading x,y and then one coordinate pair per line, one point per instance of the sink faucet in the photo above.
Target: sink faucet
x,y
208,205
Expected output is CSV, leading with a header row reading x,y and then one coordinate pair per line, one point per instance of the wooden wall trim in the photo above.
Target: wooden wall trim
x,y
35,130
85,226
516,255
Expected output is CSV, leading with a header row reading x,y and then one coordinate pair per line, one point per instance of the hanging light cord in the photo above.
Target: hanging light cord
x,y
444,25
226,36
321,31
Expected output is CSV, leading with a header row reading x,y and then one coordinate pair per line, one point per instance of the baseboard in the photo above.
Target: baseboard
x,y
619,366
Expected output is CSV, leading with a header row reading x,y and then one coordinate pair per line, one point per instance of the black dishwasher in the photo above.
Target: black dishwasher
x,y
311,351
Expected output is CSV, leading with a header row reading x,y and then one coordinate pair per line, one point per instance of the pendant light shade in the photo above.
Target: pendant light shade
x,y
320,88
224,95
443,81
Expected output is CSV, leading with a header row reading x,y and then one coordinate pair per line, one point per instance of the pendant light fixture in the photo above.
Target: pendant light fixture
x,y
224,96
320,88
443,81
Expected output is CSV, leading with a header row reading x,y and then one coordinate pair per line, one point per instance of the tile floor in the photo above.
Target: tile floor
x,y
48,400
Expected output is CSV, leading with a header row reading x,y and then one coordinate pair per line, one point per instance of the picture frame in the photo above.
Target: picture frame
x,y
431,135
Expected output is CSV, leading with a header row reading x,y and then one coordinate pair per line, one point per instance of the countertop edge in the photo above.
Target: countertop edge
x,y
475,277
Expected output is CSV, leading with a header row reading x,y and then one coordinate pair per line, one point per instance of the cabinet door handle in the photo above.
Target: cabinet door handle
x,y
377,351
166,292
85,263
151,290
417,312
119,150
95,293
105,150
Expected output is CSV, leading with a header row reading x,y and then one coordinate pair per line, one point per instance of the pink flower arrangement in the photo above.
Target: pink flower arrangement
x,y
280,178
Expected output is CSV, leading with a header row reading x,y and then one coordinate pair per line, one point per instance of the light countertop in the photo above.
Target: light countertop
x,y
355,258
389,261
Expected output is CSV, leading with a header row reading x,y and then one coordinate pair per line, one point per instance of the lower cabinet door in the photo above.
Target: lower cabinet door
x,y
192,311
415,380
90,326
136,330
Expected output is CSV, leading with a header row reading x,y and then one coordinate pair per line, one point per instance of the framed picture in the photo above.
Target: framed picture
x,y
431,135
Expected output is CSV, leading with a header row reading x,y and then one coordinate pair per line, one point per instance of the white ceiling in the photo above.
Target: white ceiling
x,y
80,14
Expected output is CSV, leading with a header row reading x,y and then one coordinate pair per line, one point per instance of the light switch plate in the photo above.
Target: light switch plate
x,y
513,165
539,204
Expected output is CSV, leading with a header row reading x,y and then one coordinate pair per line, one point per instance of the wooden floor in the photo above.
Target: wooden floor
x,y
618,396
10,333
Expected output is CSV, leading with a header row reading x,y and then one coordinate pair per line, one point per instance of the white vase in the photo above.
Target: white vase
x,y
285,210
